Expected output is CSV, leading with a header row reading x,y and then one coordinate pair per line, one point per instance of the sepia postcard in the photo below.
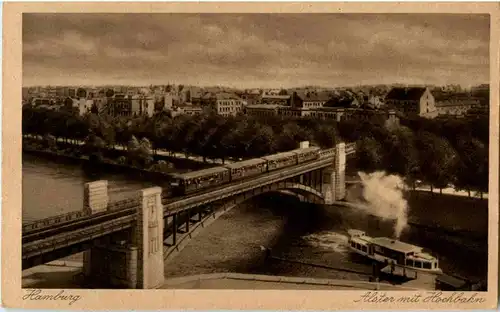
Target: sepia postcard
x,y
278,156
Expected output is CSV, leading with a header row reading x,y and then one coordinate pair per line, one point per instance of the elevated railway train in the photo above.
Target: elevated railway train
x,y
195,181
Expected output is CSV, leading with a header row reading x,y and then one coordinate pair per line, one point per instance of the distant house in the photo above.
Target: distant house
x,y
311,99
120,105
84,106
456,105
412,100
261,110
168,101
228,104
275,100
250,98
142,105
186,109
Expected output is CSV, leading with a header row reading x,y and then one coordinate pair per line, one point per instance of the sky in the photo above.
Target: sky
x,y
255,50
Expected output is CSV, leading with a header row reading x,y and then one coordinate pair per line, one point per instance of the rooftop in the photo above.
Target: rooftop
x,y
405,94
269,96
198,173
279,155
226,96
395,245
314,96
249,162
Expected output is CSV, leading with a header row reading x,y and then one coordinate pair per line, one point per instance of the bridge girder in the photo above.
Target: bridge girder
x,y
220,207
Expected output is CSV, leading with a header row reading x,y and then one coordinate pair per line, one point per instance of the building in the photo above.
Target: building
x,y
228,104
71,92
251,98
84,106
457,105
101,103
276,100
386,117
261,110
142,105
412,100
310,99
120,105
168,101
186,109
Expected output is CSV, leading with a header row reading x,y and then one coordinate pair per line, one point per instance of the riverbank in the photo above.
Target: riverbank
x,y
161,153
264,282
68,276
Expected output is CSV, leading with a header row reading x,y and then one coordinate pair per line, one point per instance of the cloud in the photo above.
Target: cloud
x,y
248,50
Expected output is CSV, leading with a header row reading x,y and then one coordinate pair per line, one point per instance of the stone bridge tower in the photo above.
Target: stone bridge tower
x,y
334,176
133,260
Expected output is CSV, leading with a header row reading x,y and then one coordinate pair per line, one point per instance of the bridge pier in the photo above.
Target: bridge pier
x,y
333,187
149,239
136,262
112,264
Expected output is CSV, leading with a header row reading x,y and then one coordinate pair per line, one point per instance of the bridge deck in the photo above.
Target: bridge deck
x,y
91,228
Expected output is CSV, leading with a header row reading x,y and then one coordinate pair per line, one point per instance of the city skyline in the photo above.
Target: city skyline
x,y
255,50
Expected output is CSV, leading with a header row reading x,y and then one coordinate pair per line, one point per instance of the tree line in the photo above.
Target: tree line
x,y
210,136
442,153
437,152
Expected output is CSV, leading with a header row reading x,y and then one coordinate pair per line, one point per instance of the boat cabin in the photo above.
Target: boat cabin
x,y
359,241
392,251
403,253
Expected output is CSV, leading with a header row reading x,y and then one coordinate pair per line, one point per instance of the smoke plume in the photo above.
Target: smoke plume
x,y
384,196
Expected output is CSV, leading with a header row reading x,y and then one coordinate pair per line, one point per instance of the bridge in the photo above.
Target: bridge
x,y
126,243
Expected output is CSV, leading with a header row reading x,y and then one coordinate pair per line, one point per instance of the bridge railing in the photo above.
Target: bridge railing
x,y
76,215
46,222
84,234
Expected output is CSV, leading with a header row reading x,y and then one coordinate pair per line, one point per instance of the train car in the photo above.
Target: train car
x,y
281,160
194,181
307,154
246,168
329,152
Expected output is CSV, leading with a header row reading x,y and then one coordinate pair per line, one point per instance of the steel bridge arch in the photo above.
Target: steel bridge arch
x,y
303,192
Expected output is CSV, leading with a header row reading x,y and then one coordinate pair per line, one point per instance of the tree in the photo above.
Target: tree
x,y
473,165
326,136
81,93
262,143
109,93
94,109
94,147
50,142
369,156
438,159
400,154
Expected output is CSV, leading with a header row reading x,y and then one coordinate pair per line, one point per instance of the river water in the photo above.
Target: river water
x,y
294,230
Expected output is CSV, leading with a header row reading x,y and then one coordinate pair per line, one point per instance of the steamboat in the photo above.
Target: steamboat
x,y
393,252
